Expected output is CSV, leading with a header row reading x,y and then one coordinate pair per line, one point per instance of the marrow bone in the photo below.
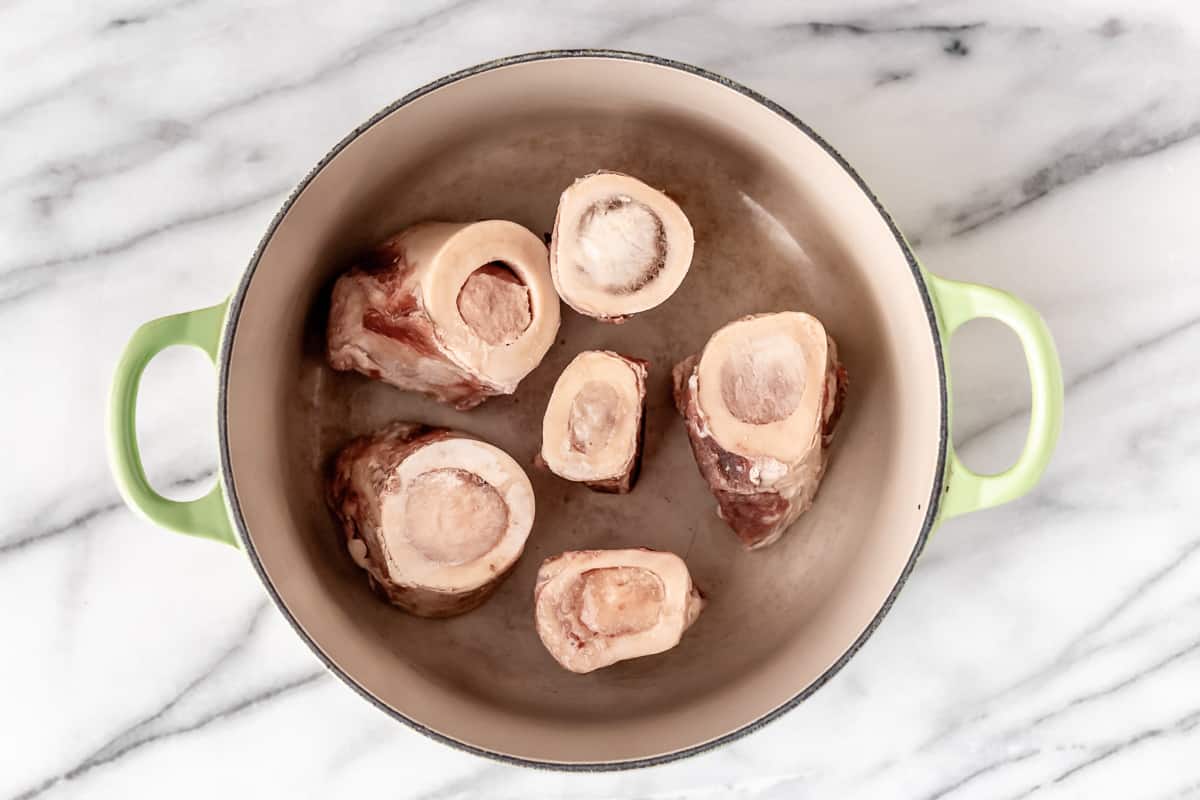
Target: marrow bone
x,y
594,423
460,312
594,608
760,404
434,517
619,247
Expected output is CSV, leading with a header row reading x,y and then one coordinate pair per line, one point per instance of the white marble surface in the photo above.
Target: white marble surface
x,y
1050,648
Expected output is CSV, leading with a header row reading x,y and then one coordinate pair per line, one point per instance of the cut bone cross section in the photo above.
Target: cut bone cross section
x,y
594,608
760,404
619,247
595,421
460,312
436,518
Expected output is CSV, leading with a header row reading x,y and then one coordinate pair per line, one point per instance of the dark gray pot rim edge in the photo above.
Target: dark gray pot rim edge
x,y
234,312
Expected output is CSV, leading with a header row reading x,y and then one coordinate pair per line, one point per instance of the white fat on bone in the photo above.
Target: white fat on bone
x,y
619,247
436,518
594,608
592,428
460,312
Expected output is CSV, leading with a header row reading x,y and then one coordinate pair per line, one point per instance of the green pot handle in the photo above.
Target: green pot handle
x,y
957,303
205,517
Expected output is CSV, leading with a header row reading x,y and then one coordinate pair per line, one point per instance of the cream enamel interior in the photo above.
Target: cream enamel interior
x,y
779,225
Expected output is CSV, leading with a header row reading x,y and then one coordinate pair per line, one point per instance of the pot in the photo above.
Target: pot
x,y
782,222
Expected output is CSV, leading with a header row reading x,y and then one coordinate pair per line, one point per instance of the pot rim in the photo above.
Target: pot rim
x,y
226,467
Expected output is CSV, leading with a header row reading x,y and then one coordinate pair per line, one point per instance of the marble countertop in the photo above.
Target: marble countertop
x,y
1049,648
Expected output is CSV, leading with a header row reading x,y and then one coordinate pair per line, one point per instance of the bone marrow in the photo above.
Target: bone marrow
x,y
594,423
619,247
460,312
594,608
494,303
760,404
434,517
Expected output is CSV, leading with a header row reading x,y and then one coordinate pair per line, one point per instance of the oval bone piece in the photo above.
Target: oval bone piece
x,y
760,404
595,421
619,246
436,518
460,312
594,608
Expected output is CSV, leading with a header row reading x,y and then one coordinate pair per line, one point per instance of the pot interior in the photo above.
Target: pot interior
x,y
779,225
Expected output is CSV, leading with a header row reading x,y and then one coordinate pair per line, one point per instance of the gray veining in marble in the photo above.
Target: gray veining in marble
x,y
1047,649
